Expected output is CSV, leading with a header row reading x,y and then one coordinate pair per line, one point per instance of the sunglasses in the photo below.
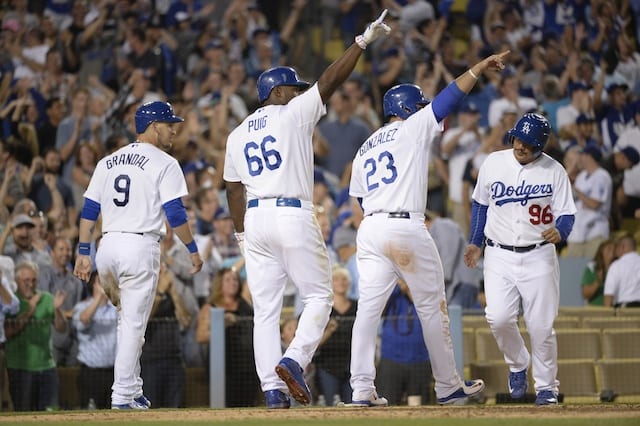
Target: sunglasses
x,y
34,213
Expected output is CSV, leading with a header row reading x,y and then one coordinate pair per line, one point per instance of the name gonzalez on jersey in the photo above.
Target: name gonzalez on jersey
x,y
379,138
523,192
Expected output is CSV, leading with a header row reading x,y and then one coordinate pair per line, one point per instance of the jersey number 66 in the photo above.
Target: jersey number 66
x,y
259,157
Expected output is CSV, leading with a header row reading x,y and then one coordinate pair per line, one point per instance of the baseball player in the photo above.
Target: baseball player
x,y
522,206
135,188
270,157
389,176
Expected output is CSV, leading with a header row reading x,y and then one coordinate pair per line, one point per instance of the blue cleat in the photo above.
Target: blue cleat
x,y
547,397
291,373
518,384
277,399
130,406
143,400
469,388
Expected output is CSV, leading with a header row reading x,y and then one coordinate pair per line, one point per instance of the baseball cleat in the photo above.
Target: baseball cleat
x,y
373,401
468,388
518,384
143,400
547,397
134,405
293,376
277,399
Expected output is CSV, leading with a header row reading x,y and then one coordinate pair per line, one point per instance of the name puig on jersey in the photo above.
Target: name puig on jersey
x,y
127,159
257,124
377,139
525,192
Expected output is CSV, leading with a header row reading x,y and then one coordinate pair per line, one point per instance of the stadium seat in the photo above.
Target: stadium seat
x,y
609,323
474,321
577,377
628,312
469,344
579,344
621,343
487,349
561,321
586,311
621,376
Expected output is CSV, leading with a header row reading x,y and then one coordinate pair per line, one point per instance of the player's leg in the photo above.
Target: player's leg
x,y
540,299
133,260
426,282
503,305
266,279
377,281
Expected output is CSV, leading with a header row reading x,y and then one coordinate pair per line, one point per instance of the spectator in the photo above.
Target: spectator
x,y
622,284
344,133
509,98
586,133
615,114
567,115
404,369
33,378
592,190
9,305
13,172
86,160
58,277
461,282
95,318
55,112
334,351
628,197
241,379
24,250
595,273
162,365
459,144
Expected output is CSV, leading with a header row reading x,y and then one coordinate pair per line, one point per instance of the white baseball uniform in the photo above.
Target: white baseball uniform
x,y
131,185
390,175
523,202
271,153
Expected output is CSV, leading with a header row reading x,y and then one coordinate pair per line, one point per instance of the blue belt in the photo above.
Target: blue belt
x,y
516,249
280,202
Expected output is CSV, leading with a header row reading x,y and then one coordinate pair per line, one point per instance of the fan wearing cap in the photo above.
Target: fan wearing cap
x,y
566,115
585,133
23,250
628,199
136,189
592,190
616,113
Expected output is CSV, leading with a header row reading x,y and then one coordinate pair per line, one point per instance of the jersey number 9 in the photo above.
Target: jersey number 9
x,y
259,157
122,184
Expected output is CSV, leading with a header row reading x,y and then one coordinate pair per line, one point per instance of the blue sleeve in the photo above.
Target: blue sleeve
x,y
478,220
176,213
564,225
446,101
90,210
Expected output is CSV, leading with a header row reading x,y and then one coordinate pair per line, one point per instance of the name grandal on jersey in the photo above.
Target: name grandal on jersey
x,y
127,159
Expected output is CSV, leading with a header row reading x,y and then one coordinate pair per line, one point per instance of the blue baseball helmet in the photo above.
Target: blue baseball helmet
x,y
533,129
155,111
278,76
403,100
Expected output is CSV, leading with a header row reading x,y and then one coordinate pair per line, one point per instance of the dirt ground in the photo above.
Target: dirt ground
x,y
221,415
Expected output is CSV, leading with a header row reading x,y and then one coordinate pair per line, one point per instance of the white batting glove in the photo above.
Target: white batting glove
x,y
240,239
374,30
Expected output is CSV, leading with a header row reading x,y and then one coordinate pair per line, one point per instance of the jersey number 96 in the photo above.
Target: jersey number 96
x,y
259,157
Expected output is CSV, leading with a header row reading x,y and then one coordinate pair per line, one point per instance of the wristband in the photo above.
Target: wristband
x,y
84,249
473,74
360,42
193,248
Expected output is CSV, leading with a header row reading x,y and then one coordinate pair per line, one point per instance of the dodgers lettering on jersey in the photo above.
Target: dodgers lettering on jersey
x,y
390,170
271,151
523,200
132,184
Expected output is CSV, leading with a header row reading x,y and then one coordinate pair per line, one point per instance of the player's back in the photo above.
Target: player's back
x,y
390,170
132,184
271,151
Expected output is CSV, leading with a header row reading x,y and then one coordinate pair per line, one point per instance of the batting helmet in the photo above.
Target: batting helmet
x,y
403,100
278,76
533,129
155,111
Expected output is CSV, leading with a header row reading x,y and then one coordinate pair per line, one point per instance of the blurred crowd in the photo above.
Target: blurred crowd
x,y
72,73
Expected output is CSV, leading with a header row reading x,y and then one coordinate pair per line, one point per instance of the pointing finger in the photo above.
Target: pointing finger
x,y
381,17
